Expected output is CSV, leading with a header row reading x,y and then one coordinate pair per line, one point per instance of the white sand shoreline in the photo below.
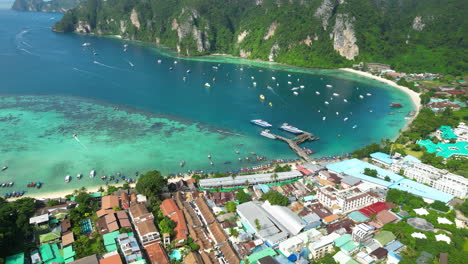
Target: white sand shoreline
x,y
412,94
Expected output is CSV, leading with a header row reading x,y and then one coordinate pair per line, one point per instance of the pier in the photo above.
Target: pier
x,y
295,142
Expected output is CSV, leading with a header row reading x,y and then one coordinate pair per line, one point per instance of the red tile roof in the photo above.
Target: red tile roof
x,y
303,170
125,223
180,230
114,259
168,207
103,212
157,254
122,215
386,217
110,218
109,202
373,209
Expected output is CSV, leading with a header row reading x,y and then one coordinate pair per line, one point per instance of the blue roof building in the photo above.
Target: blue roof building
x,y
355,168
394,246
382,158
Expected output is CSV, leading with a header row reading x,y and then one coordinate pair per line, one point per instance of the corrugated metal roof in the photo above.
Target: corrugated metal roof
x,y
252,179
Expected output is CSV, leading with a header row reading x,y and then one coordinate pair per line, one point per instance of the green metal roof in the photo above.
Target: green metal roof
x,y
96,194
141,261
384,237
342,240
253,259
445,150
46,252
349,246
109,238
15,259
68,260
44,238
68,252
57,256
110,248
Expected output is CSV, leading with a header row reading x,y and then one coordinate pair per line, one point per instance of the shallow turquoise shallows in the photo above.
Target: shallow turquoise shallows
x,y
131,113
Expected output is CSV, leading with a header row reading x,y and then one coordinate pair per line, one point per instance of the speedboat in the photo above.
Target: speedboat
x,y
159,61
261,123
368,94
294,88
86,44
295,93
317,92
291,129
345,119
323,118
189,71
344,100
209,156
360,96
67,178
207,85
79,175
396,105
302,86
211,163
4,168
289,82
266,133
92,174
326,102
329,86
254,84
355,126
182,163
262,97
273,78
335,94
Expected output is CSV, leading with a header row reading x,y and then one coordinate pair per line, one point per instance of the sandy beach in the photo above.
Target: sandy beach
x,y
412,94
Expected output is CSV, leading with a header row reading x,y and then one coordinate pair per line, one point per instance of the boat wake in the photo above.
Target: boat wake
x,y
79,142
130,63
108,66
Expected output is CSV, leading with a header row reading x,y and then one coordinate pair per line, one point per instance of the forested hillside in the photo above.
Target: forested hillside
x,y
60,6
411,35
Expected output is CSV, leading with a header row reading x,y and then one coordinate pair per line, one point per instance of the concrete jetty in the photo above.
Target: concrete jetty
x,y
295,142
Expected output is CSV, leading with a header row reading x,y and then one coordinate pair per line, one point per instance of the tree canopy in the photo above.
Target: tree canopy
x,y
275,198
151,183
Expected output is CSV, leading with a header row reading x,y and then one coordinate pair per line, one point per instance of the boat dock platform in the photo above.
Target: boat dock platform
x,y
295,142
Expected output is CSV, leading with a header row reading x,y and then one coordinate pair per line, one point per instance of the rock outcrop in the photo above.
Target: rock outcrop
x,y
418,24
344,38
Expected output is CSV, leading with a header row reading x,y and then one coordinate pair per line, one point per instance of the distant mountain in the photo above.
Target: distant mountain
x,y
58,6
411,35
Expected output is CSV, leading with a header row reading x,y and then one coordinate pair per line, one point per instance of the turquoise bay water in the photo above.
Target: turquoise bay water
x,y
52,87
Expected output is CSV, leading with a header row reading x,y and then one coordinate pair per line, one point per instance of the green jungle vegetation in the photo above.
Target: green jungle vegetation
x,y
385,31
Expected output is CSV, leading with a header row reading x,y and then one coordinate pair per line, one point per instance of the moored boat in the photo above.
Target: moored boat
x,y
266,133
291,129
207,85
261,123
79,175
67,178
329,86
4,168
92,174
396,105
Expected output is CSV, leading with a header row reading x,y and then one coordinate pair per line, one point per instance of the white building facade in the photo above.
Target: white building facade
x,y
439,179
347,200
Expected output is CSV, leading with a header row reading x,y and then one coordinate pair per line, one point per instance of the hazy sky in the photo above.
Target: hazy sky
x,y
6,3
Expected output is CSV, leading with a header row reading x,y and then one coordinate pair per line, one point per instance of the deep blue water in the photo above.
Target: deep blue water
x,y
36,61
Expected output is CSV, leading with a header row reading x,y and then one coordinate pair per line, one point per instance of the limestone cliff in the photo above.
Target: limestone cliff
x,y
57,6
344,38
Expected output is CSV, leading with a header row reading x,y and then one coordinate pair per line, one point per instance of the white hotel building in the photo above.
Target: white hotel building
x,y
439,179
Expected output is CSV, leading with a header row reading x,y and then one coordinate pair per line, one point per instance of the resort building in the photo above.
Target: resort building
x,y
343,201
462,132
362,233
144,224
226,182
439,179
129,248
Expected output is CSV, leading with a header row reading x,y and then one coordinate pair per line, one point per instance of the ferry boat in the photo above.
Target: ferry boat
x,y
92,174
397,105
266,133
291,129
67,178
260,122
